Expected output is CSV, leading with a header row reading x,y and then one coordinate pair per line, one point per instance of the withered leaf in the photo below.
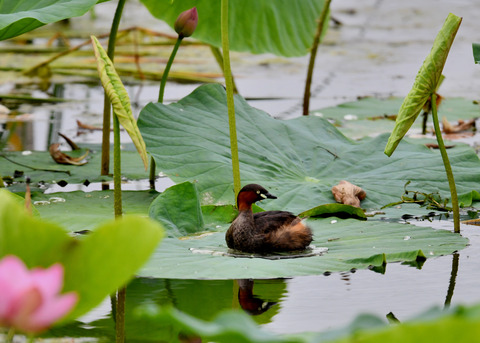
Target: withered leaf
x,y
62,158
348,193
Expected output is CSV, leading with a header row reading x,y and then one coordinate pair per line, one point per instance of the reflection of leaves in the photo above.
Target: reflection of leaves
x,y
299,160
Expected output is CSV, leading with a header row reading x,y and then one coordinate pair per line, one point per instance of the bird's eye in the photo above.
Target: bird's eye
x,y
258,192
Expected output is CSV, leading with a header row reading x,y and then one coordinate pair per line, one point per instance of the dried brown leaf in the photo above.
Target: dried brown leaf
x,y
62,158
348,193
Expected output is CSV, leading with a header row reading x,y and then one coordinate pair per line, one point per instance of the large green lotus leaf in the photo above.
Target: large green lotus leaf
x,y
282,27
20,16
95,266
78,210
298,160
40,167
371,116
351,244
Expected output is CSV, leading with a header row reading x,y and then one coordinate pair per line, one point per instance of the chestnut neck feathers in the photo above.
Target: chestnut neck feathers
x,y
250,194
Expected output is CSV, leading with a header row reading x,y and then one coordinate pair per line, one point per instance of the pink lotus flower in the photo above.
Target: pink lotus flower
x,y
30,299
186,22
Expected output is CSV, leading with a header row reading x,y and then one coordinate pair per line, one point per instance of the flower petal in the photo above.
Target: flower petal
x,y
49,281
52,311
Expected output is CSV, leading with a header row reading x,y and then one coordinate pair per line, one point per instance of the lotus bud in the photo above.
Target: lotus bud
x,y
30,300
186,22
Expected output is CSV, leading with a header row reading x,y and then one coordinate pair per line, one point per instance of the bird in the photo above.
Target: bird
x,y
268,231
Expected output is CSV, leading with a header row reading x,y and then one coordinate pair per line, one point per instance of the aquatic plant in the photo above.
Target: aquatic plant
x,y
184,26
423,89
31,300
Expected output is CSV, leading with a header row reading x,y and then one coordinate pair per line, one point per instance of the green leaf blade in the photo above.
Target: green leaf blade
x,y
281,27
425,82
118,97
21,16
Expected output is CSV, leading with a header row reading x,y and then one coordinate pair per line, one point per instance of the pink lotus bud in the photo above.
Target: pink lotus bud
x,y
30,299
186,22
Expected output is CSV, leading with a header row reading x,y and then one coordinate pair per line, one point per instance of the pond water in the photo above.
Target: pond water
x,y
374,53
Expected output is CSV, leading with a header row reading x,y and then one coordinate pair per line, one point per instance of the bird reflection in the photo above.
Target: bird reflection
x,y
250,303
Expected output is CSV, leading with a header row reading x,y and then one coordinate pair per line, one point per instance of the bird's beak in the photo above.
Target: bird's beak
x,y
269,196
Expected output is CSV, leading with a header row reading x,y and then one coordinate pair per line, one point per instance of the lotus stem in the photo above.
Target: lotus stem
x,y
313,55
230,102
120,315
446,163
10,335
163,82
218,57
105,164
117,170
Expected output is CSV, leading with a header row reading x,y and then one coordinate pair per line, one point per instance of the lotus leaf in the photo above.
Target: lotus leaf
x,y
298,160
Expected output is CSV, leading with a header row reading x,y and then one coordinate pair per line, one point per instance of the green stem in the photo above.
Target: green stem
x,y
10,335
117,168
313,54
218,57
448,168
163,82
105,164
120,315
230,102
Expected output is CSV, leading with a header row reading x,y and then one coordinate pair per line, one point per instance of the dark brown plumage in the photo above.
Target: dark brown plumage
x,y
265,232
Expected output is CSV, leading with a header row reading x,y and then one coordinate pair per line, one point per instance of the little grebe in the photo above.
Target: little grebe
x,y
264,232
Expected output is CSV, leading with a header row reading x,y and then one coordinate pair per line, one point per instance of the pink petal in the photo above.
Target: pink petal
x,y
51,311
24,308
14,281
49,281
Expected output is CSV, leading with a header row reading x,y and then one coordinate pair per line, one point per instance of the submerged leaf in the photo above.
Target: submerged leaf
x,y
425,83
118,97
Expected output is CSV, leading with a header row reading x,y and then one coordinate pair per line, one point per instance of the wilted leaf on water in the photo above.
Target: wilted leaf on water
x,y
20,16
462,125
119,98
62,158
425,83
39,166
298,160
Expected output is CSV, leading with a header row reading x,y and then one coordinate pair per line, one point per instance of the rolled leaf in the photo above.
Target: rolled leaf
x,y
425,83
118,97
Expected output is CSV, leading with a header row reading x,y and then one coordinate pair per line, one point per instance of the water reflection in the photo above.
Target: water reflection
x,y
248,301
